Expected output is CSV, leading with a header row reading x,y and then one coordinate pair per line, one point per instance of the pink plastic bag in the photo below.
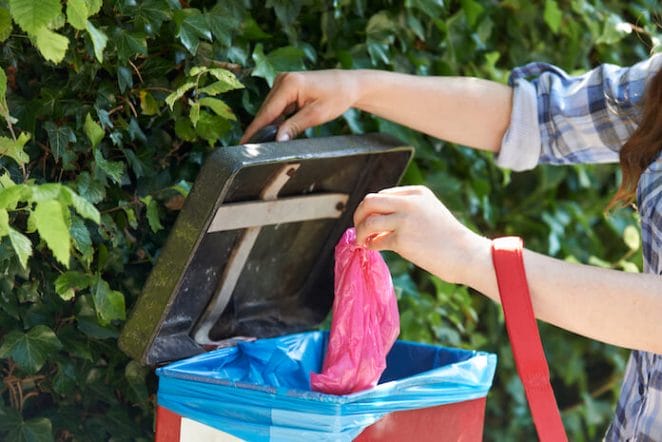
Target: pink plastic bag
x,y
365,321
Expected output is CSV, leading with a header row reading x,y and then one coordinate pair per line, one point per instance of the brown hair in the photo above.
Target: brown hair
x,y
644,144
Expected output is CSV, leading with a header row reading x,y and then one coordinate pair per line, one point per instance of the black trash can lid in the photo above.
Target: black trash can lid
x,y
251,252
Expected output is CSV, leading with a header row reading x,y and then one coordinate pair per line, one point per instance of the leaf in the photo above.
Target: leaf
x,y
22,246
194,113
152,214
129,44
4,223
93,131
9,419
281,60
52,226
628,266
99,40
65,380
83,207
263,68
472,9
90,189
226,82
33,430
631,238
432,8
614,30
69,282
179,93
77,13
197,70
222,24
109,304
137,165
150,15
148,104
252,31
219,107
124,78
379,37
82,241
552,15
192,25
33,15
287,58
286,10
184,129
45,192
211,127
30,350
113,169
6,181
5,25
52,45
93,6
59,138
14,149
215,88
226,77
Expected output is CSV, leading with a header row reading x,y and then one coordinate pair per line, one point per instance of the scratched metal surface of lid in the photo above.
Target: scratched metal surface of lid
x,y
251,252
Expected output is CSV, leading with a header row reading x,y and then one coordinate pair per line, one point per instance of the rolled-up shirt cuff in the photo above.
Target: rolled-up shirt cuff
x,y
521,145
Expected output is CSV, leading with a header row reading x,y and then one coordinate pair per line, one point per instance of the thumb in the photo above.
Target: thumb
x,y
308,116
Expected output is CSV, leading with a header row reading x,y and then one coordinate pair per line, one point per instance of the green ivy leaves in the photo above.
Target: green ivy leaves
x,y
552,15
30,350
52,224
93,131
14,148
33,15
48,206
283,59
77,13
30,430
109,139
40,18
203,85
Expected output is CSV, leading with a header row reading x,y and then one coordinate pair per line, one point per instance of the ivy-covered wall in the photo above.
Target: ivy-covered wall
x,y
110,107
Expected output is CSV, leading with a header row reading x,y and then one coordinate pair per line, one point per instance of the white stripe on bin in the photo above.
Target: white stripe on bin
x,y
192,431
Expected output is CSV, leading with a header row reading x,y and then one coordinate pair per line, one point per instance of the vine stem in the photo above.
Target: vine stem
x,y
140,77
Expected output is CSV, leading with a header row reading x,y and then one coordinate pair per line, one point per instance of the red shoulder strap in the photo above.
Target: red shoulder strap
x,y
525,339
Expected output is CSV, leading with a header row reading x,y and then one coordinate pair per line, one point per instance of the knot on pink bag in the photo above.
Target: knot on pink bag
x,y
365,321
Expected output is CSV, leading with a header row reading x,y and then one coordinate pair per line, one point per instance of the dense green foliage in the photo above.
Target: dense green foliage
x,y
110,107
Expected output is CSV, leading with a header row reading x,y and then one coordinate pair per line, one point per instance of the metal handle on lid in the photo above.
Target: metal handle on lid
x,y
265,135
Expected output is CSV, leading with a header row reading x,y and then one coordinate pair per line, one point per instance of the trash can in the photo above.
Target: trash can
x,y
246,275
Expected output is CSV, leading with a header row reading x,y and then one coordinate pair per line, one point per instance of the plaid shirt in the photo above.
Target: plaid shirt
x,y
558,119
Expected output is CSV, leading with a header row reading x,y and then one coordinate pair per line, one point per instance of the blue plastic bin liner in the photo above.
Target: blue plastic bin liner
x,y
260,390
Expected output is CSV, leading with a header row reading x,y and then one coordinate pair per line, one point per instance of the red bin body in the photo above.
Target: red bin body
x,y
461,421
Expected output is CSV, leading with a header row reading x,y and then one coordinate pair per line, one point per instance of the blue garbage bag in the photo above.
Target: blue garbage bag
x,y
260,390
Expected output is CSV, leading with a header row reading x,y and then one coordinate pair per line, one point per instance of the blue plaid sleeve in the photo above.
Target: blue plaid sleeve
x,y
563,119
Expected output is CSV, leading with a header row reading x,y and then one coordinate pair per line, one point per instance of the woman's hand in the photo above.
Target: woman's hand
x,y
468,111
412,222
315,97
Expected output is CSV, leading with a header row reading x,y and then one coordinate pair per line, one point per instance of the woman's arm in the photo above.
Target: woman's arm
x,y
467,111
616,307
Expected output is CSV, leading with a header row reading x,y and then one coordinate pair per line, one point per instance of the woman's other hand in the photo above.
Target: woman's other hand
x,y
412,222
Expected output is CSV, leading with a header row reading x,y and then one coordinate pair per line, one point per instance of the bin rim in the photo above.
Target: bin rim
x,y
474,357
